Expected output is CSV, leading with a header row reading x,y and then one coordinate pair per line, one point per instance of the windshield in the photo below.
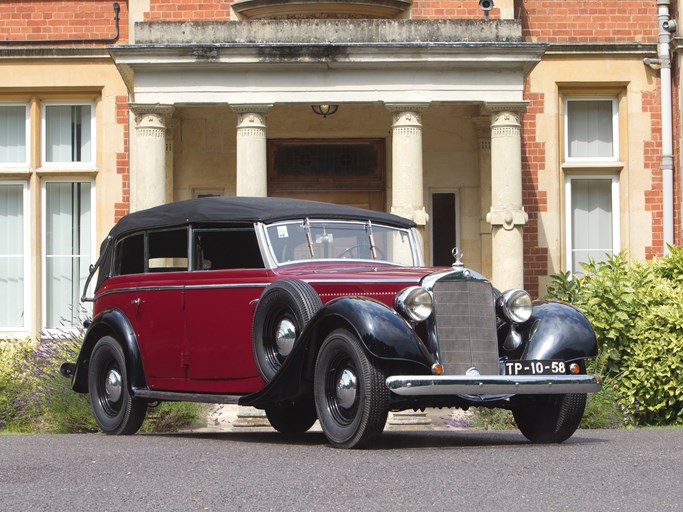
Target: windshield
x,y
340,240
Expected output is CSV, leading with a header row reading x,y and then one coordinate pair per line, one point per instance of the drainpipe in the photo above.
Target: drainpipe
x,y
667,26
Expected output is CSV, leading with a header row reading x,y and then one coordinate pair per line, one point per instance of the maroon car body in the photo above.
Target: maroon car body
x,y
316,311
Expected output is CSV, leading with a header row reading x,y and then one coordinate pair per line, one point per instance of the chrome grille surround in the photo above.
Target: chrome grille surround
x,y
465,324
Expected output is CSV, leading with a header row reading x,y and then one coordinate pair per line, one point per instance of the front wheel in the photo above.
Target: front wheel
x,y
549,418
115,410
351,395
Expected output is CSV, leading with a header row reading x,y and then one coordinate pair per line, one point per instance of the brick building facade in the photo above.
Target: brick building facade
x,y
530,135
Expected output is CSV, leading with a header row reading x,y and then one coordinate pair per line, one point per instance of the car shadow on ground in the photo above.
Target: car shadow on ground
x,y
393,439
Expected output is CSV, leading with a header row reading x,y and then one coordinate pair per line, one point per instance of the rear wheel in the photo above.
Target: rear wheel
x,y
292,418
115,410
549,418
351,396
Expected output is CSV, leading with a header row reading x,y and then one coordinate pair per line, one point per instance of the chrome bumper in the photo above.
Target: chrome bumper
x,y
424,385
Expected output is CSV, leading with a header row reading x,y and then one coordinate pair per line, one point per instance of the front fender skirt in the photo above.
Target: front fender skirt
x,y
384,334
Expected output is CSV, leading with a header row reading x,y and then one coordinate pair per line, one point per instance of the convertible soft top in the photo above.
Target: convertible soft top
x,y
227,210
246,209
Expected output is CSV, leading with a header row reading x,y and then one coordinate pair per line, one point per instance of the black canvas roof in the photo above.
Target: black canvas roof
x,y
213,210
225,210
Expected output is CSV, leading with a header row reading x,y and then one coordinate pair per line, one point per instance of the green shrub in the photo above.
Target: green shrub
x,y
34,397
175,416
637,313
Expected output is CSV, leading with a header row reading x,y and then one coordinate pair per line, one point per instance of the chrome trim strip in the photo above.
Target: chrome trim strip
x,y
363,281
345,260
172,396
425,385
181,287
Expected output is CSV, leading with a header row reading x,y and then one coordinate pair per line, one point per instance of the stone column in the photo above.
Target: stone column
x,y
252,158
507,216
407,193
483,129
148,182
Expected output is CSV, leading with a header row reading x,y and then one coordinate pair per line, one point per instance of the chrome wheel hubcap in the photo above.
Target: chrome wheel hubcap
x,y
347,388
285,336
113,386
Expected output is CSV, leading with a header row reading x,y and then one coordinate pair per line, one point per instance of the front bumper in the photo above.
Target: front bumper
x,y
426,385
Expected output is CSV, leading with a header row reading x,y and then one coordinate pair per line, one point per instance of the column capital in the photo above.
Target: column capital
x,y
406,107
156,111
253,108
508,106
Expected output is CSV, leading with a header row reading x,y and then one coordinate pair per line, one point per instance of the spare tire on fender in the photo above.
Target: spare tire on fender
x,y
284,309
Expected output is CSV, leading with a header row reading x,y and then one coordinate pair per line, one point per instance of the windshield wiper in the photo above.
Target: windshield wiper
x,y
309,238
368,229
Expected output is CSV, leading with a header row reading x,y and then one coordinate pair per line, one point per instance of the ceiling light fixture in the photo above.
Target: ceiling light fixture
x,y
325,109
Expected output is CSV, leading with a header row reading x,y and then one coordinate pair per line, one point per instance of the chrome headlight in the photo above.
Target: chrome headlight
x,y
515,305
415,303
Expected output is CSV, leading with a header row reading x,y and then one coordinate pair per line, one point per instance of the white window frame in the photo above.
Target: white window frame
x,y
615,130
22,330
43,135
27,135
616,212
458,230
43,238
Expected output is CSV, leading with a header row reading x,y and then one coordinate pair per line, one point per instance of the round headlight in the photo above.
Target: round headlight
x,y
516,305
414,303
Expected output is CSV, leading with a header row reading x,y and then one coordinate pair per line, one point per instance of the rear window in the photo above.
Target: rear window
x,y
167,250
155,251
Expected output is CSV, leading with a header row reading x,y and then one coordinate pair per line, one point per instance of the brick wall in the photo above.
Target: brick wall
x,y
122,208
572,21
45,20
446,9
535,201
652,155
195,10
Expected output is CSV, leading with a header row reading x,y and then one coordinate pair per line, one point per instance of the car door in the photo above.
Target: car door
x,y
220,299
150,291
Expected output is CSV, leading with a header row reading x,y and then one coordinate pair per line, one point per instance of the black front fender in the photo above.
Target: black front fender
x,y
386,337
558,330
111,322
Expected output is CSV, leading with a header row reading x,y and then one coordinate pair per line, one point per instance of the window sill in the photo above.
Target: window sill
x,y
67,171
10,334
9,172
593,166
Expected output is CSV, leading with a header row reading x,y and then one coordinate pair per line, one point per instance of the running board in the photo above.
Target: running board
x,y
172,396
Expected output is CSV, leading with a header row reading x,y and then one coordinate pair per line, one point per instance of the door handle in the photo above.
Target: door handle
x,y
136,301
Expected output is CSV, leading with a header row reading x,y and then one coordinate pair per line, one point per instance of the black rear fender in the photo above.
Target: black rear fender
x,y
111,322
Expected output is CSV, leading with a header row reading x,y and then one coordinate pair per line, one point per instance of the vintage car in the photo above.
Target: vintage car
x,y
314,311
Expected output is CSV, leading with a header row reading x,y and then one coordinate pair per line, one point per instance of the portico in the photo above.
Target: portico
x,y
424,92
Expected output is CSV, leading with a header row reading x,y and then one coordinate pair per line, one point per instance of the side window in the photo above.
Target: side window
x,y
167,250
220,249
130,255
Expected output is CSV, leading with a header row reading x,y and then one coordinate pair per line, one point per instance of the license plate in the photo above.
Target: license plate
x,y
535,367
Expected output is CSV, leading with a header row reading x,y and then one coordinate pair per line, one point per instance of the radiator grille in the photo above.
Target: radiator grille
x,y
466,326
